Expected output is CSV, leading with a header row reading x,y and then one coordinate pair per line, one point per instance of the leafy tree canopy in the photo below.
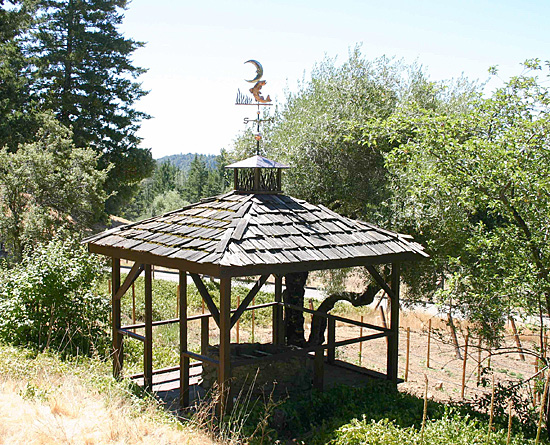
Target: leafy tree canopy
x,y
46,185
474,187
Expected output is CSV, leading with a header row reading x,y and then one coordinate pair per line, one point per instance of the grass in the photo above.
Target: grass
x,y
44,400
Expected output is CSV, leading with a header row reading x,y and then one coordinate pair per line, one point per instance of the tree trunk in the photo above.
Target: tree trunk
x,y
294,320
319,323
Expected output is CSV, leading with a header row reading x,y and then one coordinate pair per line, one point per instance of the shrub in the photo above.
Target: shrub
x,y
51,299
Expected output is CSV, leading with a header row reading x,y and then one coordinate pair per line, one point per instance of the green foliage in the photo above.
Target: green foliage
x,y
378,414
452,428
473,186
46,185
51,301
331,164
170,187
18,109
183,161
68,57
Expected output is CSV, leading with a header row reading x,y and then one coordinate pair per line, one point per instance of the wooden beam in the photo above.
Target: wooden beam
x,y
158,260
306,350
307,266
207,298
224,369
380,281
184,360
116,319
148,344
130,278
278,324
393,340
253,292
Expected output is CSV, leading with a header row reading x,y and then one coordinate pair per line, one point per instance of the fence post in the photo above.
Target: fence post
x,y
464,364
361,344
453,336
429,339
479,361
516,337
408,349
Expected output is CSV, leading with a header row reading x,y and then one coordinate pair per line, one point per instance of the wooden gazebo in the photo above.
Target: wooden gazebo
x,y
254,230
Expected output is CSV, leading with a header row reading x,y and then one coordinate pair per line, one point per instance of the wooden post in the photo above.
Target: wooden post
x,y
319,369
224,369
408,350
278,325
464,365
184,360
203,306
361,344
429,339
453,336
425,410
177,300
239,319
311,308
510,417
479,361
331,338
115,319
541,412
384,322
492,410
133,303
205,335
516,337
253,318
148,343
393,339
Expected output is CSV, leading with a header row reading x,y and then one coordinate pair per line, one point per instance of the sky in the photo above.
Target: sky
x,y
195,52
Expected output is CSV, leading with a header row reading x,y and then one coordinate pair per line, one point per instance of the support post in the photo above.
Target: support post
x,y
224,369
148,344
319,369
184,360
393,339
114,284
278,325
205,334
331,339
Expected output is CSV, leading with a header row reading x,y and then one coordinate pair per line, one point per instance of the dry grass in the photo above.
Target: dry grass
x,y
52,407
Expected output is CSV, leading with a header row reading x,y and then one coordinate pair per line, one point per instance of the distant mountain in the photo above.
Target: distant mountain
x,y
183,161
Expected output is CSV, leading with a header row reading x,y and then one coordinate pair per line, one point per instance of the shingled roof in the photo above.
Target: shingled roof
x,y
247,234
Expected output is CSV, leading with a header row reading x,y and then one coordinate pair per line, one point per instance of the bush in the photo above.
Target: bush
x,y
51,299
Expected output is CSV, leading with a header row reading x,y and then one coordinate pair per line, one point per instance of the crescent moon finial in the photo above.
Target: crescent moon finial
x,y
259,70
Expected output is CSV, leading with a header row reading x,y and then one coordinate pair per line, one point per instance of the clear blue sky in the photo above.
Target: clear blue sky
x,y
195,51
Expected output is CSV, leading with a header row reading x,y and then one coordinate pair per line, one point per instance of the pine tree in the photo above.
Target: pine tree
x,y
18,110
196,179
85,75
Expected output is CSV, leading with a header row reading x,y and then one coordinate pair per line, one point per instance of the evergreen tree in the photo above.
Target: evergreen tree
x,y
18,117
85,75
196,180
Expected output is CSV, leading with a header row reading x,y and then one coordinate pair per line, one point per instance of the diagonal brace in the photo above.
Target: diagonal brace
x,y
206,297
130,278
244,304
380,281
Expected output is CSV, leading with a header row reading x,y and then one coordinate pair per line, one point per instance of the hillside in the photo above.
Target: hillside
x,y
183,161
44,400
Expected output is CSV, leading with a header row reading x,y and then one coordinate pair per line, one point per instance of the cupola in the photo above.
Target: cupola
x,y
257,175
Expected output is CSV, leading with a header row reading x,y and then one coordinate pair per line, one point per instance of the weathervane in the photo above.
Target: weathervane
x,y
257,101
